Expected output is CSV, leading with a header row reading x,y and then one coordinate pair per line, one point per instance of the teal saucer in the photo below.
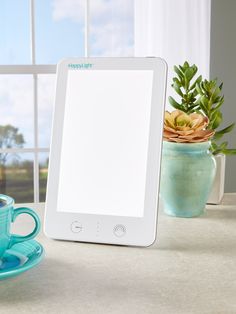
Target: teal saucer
x,y
20,257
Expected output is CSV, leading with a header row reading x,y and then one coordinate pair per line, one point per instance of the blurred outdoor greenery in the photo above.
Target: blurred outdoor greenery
x,y
17,170
17,181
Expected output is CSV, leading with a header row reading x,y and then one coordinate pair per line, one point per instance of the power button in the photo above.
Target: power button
x,y
119,231
76,227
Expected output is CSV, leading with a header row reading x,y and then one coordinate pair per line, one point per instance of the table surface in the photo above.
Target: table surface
x,y
190,269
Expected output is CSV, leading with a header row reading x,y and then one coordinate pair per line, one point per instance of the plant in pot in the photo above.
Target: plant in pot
x,y
205,97
188,167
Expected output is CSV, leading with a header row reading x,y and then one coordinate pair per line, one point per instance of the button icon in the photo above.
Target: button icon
x,y
76,227
119,231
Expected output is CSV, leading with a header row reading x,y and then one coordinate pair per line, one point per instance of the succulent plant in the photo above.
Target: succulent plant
x,y
185,87
180,127
201,96
210,101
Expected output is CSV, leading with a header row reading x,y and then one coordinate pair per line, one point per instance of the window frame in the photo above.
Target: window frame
x,y
35,70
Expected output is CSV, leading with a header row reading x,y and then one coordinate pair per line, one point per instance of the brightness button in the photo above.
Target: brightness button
x,y
119,231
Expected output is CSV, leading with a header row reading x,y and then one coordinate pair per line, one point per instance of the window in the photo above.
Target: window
x,y
34,36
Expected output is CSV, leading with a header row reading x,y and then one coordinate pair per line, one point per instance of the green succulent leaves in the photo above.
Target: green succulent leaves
x,y
185,87
219,134
210,100
201,96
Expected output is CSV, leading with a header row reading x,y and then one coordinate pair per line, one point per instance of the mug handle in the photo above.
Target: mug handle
x,y
18,238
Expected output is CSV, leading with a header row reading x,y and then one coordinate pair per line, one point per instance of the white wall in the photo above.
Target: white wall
x,y
223,66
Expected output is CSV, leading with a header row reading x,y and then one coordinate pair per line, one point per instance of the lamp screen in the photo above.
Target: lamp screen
x,y
105,142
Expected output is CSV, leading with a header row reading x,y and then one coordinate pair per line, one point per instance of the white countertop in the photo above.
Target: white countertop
x,y
190,269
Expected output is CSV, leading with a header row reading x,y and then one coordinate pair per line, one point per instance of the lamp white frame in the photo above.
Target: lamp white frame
x,y
35,70
141,231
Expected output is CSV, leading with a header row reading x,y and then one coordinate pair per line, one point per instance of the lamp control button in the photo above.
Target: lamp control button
x,y
76,227
119,231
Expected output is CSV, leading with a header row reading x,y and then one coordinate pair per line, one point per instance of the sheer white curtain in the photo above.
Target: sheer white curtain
x,y
176,30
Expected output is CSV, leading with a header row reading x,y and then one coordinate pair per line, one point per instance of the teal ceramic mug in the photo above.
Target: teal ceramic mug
x,y
8,215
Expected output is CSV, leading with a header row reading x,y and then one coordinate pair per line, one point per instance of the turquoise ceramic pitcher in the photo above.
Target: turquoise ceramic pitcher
x,y
187,174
